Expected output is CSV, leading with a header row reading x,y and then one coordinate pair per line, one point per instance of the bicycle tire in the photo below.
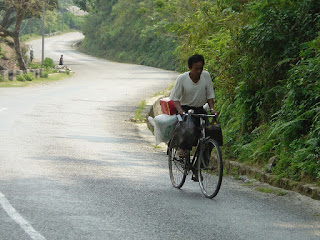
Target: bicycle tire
x,y
210,168
177,167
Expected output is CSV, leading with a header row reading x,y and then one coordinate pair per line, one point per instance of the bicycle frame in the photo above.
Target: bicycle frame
x,y
206,165
203,137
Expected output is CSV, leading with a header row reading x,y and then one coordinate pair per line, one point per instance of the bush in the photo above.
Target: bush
x,y
2,79
73,22
20,78
1,52
44,74
28,76
34,65
297,127
48,63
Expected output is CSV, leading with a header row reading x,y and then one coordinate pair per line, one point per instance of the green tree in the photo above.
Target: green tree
x,y
88,5
14,12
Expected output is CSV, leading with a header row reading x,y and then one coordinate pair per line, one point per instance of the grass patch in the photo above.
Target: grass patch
x,y
250,183
155,146
30,37
235,176
37,81
164,91
225,172
272,191
137,115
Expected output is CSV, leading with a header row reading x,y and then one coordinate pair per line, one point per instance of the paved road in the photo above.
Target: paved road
x,y
73,167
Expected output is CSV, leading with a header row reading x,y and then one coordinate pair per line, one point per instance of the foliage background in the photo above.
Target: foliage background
x,y
57,20
263,56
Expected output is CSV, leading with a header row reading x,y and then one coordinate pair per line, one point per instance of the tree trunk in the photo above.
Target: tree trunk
x,y
19,18
17,48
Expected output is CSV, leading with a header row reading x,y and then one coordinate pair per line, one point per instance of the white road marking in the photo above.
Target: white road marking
x,y
19,219
2,109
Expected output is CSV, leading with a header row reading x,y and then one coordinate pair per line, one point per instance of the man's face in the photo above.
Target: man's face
x,y
196,69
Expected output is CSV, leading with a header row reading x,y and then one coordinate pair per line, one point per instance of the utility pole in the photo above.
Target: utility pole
x,y
43,11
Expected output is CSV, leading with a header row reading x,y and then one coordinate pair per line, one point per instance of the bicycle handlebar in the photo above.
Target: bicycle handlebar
x,y
200,115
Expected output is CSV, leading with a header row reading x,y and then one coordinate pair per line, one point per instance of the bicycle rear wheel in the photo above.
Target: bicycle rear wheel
x,y
210,168
177,167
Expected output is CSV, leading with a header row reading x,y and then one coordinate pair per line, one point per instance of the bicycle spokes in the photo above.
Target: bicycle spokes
x,y
210,169
177,168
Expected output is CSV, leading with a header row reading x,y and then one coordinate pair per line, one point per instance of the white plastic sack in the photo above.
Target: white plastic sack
x,y
164,126
151,121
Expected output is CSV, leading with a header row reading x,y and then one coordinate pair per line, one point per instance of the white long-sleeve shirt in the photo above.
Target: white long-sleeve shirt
x,y
190,93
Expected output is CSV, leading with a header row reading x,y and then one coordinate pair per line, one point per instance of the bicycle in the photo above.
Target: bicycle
x,y
206,162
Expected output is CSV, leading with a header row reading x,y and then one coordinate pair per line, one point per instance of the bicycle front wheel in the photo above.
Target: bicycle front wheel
x,y
177,167
210,168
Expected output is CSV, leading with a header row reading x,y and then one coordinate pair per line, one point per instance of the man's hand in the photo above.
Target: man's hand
x,y
211,105
213,111
181,112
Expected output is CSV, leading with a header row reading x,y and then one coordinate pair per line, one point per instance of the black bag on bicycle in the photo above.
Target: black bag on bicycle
x,y
185,134
214,130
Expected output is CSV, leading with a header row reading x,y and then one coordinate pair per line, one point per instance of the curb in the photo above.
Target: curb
x,y
237,168
12,74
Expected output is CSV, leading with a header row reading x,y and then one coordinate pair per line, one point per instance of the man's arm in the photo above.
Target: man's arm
x,y
211,105
177,105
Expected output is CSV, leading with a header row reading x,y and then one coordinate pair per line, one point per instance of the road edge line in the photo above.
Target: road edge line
x,y
15,216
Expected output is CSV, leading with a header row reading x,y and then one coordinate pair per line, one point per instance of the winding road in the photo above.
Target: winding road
x,y
73,167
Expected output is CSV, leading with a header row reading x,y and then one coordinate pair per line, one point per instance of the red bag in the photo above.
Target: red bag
x,y
167,106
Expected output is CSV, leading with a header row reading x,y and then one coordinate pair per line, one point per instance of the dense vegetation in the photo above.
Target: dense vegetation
x,y
127,31
56,20
263,56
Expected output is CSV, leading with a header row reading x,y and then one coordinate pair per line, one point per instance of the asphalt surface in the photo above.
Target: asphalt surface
x,y
73,167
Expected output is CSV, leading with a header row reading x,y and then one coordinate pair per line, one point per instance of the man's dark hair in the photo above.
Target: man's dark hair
x,y
194,59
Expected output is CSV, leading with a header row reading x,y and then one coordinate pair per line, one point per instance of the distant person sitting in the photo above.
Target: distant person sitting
x,y
61,60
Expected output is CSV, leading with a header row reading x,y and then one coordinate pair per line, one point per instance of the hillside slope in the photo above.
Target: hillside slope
x,y
263,56
7,54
